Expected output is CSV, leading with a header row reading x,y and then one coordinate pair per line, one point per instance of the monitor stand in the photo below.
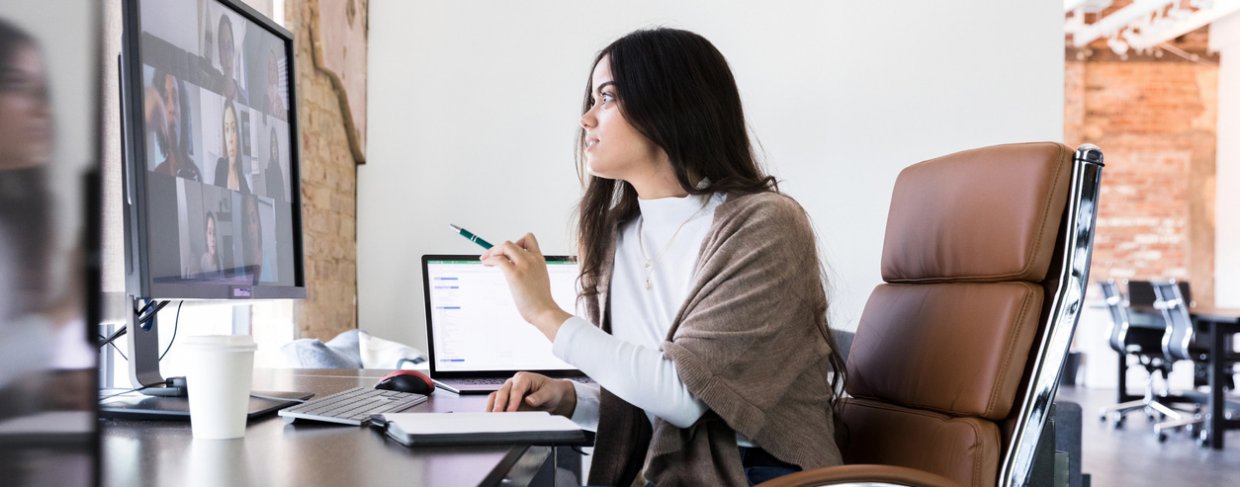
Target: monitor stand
x,y
166,398
135,405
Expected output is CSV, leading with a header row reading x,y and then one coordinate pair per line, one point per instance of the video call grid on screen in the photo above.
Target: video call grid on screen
x,y
217,137
476,326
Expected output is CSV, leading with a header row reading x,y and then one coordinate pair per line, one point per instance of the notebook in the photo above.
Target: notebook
x,y
439,429
476,339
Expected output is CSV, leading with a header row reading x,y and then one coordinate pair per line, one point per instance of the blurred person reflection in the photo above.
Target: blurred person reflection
x,y
37,310
274,175
175,139
228,169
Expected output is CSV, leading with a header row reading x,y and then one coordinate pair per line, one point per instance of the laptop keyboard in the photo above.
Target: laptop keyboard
x,y
481,380
500,380
353,406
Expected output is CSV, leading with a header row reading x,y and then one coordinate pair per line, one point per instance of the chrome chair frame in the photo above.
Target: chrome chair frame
x,y
1065,312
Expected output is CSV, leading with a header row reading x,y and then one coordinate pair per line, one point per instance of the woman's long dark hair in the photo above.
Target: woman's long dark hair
x,y
676,89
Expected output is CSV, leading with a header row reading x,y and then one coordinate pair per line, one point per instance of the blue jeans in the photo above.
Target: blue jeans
x,y
757,474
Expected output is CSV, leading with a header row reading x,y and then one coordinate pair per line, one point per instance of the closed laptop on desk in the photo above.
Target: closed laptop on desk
x,y
476,338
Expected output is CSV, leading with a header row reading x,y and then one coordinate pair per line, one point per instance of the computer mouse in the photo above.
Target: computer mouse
x,y
407,381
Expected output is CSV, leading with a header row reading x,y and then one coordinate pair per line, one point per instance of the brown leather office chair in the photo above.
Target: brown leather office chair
x,y
958,353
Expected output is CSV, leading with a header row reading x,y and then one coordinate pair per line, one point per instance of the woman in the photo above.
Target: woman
x,y
210,264
26,201
228,168
40,293
230,87
703,327
274,175
251,240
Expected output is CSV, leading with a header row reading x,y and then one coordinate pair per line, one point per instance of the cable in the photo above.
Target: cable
x,y
111,338
144,319
136,389
176,324
118,350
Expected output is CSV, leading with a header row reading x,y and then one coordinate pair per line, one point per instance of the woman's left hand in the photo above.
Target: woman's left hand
x,y
525,268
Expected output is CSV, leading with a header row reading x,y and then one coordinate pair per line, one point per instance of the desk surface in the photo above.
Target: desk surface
x,y
1222,315
304,453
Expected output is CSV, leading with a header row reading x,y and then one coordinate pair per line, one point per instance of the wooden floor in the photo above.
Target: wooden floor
x,y
1133,456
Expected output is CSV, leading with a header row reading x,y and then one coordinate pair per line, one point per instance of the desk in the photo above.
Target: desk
x,y
306,453
1220,324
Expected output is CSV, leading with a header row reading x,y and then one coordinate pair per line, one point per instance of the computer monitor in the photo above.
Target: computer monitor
x,y
212,190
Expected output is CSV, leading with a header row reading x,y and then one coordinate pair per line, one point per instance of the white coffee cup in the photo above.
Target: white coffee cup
x,y
218,376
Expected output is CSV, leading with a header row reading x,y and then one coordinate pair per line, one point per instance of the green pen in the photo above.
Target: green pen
x,y
472,238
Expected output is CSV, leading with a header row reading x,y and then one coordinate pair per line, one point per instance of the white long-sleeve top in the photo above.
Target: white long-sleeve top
x,y
630,362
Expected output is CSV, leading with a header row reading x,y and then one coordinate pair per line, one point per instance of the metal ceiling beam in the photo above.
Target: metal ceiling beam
x,y
1118,20
1198,19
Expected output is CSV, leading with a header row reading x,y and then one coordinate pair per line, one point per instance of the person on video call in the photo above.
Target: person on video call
x,y
38,311
210,264
275,96
174,139
252,238
228,61
228,172
273,174
705,332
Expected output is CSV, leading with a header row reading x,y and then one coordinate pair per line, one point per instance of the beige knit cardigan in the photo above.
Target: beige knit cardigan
x,y
749,341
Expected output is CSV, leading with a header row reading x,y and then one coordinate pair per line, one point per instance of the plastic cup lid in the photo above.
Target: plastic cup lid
x,y
223,343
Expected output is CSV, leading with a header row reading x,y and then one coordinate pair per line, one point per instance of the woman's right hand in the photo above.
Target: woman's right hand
x,y
529,391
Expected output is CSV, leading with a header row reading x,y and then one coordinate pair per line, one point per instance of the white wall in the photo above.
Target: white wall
x,y
473,115
1225,38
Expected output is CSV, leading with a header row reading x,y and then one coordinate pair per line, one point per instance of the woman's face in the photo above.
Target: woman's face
x,y
172,103
614,149
25,118
230,135
211,236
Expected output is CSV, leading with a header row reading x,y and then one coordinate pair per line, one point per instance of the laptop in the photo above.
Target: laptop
x,y
475,337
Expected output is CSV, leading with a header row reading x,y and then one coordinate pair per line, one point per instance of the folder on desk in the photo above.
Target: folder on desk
x,y
439,429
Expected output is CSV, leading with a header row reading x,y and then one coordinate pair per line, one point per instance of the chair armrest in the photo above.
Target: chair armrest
x,y
867,474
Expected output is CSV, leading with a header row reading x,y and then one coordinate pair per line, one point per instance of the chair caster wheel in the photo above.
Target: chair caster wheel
x,y
1119,423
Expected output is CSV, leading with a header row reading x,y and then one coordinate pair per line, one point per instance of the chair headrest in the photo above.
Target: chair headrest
x,y
982,215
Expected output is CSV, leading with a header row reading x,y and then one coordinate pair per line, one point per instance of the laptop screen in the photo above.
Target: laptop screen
x,y
473,325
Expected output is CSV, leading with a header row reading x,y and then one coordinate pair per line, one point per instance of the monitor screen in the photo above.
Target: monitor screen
x,y
211,106
474,325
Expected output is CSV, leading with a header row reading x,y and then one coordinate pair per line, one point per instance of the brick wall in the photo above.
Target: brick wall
x,y
1154,119
328,192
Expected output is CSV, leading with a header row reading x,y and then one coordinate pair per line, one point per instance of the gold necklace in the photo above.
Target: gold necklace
x,y
648,262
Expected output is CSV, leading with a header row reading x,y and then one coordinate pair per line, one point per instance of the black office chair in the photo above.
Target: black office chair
x,y
1141,299
1181,342
1144,343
